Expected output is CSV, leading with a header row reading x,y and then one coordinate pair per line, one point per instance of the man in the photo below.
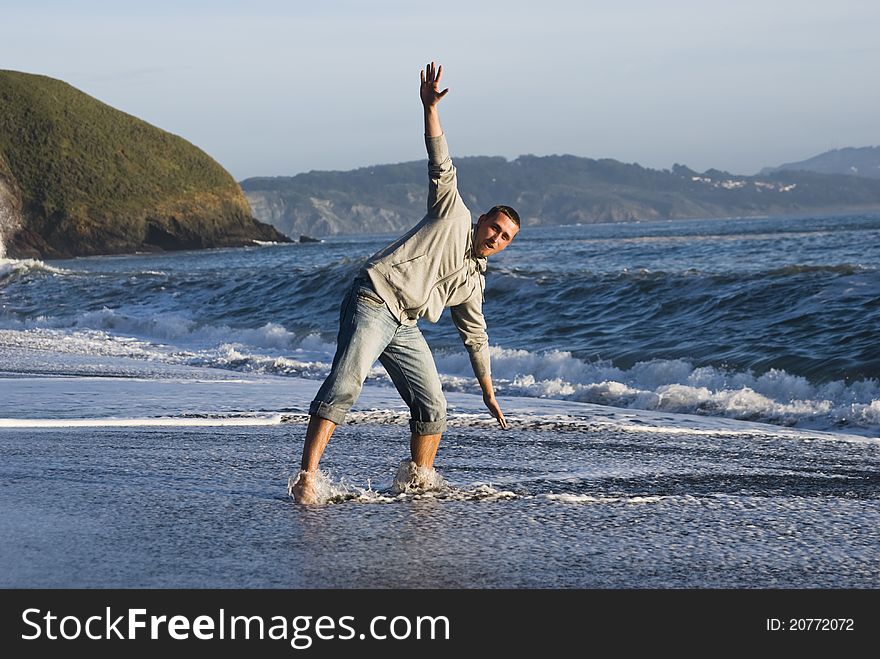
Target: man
x,y
438,263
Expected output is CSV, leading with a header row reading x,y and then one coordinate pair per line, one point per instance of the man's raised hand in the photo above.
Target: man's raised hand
x,y
430,87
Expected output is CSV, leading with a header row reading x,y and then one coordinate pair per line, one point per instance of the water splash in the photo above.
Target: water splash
x,y
318,488
411,478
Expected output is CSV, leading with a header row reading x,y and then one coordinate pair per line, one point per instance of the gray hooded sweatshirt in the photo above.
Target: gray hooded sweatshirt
x,y
432,266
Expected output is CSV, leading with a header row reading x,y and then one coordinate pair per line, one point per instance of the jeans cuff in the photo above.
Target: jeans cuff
x,y
427,427
327,411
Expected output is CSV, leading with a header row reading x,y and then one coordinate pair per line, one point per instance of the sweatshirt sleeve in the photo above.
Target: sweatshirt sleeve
x,y
442,180
471,325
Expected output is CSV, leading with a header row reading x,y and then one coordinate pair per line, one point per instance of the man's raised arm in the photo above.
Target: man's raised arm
x,y
431,95
442,184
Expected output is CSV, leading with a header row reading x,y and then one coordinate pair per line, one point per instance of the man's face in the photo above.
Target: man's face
x,y
494,233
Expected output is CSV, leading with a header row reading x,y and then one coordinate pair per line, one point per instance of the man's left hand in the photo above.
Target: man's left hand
x,y
495,409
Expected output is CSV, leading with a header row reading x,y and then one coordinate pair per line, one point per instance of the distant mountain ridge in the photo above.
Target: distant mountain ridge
x,y
78,177
545,190
853,161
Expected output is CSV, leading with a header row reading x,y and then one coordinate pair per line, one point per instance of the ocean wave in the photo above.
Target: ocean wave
x,y
837,269
674,386
807,319
84,342
13,268
677,386
177,327
542,275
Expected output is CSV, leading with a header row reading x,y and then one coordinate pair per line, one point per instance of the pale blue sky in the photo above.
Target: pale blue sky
x,y
276,88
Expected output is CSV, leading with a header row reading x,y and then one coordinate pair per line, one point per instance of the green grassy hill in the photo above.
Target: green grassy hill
x,y
79,177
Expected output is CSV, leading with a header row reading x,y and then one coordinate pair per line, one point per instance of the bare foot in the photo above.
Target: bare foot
x,y
411,477
303,488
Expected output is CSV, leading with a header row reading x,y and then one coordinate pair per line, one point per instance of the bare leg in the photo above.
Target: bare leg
x,y
317,437
417,474
423,449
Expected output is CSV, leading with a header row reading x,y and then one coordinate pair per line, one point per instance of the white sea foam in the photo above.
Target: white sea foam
x,y
327,490
87,342
867,414
182,329
675,386
408,485
16,267
267,420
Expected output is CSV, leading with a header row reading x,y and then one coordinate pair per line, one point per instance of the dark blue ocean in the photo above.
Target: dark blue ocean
x,y
690,405
773,320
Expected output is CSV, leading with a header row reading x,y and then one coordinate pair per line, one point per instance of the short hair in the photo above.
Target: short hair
x,y
507,210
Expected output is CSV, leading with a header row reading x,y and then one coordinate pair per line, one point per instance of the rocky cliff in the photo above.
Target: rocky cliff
x,y
78,177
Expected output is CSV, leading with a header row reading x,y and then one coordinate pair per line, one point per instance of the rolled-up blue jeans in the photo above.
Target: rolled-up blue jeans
x,y
369,331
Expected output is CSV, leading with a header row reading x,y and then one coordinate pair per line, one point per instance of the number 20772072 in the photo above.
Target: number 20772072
x,y
810,624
